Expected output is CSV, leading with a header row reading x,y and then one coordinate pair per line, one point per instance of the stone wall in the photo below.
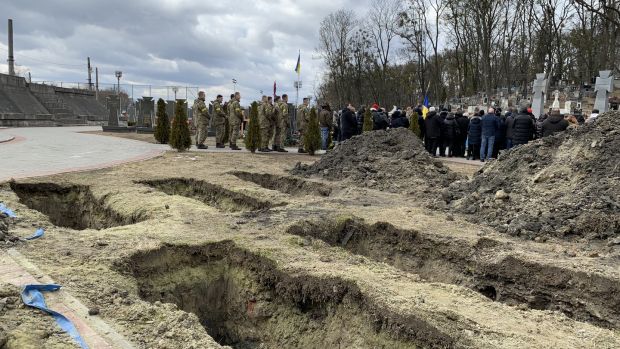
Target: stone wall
x,y
27,104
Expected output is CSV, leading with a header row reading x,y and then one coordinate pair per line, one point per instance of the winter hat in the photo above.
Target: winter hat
x,y
431,109
375,106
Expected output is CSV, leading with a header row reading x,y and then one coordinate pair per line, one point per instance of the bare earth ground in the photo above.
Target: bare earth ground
x,y
254,266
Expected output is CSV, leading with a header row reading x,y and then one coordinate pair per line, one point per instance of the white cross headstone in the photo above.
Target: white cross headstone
x,y
540,93
604,86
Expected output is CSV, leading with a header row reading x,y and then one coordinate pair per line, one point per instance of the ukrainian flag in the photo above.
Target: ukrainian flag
x,y
425,106
298,66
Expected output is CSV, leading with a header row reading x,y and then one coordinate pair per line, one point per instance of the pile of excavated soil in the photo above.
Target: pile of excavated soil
x,y
394,160
5,237
566,185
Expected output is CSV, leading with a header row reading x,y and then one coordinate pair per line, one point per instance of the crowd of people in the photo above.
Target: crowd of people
x,y
480,135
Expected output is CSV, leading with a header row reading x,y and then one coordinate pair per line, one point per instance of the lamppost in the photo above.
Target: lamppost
x,y
175,90
119,74
234,81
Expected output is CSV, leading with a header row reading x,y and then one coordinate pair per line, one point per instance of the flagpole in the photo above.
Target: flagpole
x,y
297,85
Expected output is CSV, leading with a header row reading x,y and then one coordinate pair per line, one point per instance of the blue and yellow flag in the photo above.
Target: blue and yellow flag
x,y
298,66
425,106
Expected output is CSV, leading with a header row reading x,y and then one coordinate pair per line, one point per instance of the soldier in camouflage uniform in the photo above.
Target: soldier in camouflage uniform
x,y
264,124
270,112
303,118
201,114
235,118
278,111
219,121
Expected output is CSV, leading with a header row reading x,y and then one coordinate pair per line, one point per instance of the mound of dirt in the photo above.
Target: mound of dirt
x,y
4,229
566,185
394,160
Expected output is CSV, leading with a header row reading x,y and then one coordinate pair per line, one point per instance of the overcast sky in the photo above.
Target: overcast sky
x,y
171,42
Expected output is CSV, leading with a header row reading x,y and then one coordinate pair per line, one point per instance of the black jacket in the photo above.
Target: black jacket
x,y
399,120
554,124
463,124
523,129
450,127
418,113
510,120
379,120
500,134
442,117
433,125
474,133
348,123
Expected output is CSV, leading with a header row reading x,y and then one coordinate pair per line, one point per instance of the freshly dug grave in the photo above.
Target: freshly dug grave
x,y
243,300
287,185
482,266
394,160
211,194
72,206
22,327
567,185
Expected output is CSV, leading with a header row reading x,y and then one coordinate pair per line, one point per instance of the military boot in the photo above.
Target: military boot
x,y
281,150
202,146
219,145
234,147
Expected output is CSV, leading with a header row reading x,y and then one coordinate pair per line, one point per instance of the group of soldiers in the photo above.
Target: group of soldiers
x,y
273,118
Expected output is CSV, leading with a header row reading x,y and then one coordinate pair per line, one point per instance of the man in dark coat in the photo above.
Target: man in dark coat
x,y
379,120
490,126
433,131
510,119
451,130
421,122
459,143
523,127
554,124
348,122
442,138
399,119
474,135
500,135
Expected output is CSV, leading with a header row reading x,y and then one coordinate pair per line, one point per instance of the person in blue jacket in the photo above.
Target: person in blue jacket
x,y
490,126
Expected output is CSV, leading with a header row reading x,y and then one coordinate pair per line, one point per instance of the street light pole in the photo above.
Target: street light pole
x,y
119,74
234,81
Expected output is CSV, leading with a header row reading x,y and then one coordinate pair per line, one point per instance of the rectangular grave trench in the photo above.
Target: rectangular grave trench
x,y
510,280
71,206
210,194
287,185
244,301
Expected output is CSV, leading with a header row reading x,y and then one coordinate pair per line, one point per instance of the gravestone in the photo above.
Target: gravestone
x,y
604,86
504,104
147,107
540,93
113,104
556,102
568,108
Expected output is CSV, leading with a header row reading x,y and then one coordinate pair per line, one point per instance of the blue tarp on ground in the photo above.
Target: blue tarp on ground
x,y
37,234
32,297
7,211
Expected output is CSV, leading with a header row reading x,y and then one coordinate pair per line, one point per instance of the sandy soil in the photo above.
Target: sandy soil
x,y
340,297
